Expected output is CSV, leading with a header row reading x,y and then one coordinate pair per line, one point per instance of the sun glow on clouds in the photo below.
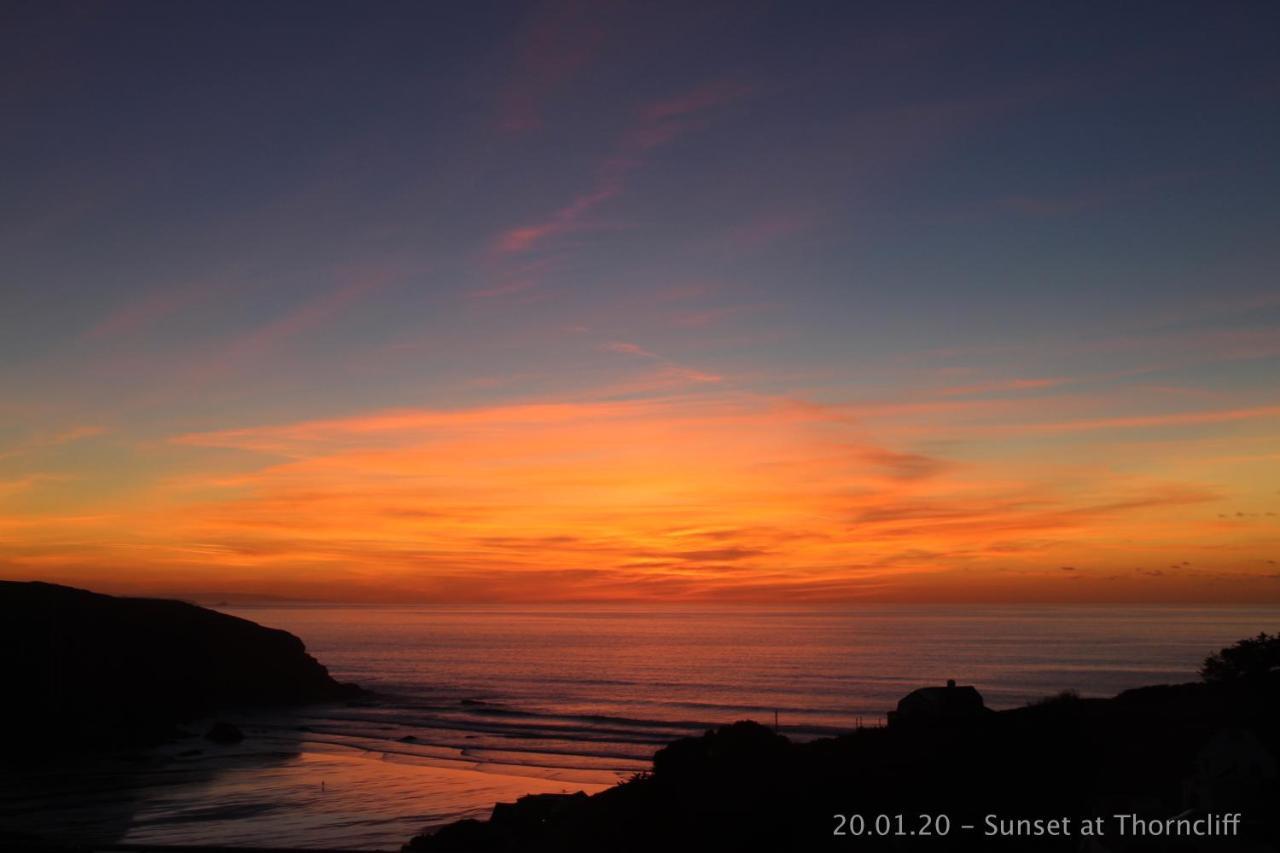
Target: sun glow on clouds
x,y
710,496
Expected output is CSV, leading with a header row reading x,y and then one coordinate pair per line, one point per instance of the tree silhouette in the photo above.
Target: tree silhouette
x,y
1250,658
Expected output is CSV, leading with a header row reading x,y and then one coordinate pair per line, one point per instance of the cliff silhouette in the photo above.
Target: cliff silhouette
x,y
84,670
1157,752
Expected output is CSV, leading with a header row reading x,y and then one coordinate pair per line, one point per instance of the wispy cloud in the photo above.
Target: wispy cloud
x,y
42,440
560,40
625,348
710,494
140,313
656,124
1003,385
638,497
662,115
1172,419
312,314
670,371
25,483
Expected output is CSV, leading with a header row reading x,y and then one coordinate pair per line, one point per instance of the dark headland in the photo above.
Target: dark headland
x,y
1187,752
85,671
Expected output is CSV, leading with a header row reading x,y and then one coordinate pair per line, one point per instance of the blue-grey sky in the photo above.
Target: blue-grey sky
x,y
1032,246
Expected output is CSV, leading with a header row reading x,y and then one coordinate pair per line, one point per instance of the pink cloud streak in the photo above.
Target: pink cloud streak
x,y
560,41
132,317
658,124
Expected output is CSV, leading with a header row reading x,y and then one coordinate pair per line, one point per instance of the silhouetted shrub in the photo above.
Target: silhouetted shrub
x,y
1251,658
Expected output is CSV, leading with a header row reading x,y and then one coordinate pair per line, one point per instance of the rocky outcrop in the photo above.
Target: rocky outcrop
x,y
84,670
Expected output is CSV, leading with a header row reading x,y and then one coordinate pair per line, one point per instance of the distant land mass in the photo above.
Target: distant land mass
x,y
85,671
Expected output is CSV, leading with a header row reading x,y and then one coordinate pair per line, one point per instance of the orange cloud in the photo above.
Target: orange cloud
x,y
725,496
673,487
53,439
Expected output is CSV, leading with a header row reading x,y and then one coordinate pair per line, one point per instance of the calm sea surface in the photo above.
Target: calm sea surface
x,y
478,705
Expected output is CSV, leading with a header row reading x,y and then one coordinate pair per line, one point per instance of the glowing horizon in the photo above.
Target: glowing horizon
x,y
526,319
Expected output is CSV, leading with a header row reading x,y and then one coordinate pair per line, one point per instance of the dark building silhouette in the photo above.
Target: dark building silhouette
x,y
939,704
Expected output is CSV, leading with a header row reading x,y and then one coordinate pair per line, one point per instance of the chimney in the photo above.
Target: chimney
x,y
951,683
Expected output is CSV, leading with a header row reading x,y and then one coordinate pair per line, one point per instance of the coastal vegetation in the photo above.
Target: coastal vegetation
x,y
1170,755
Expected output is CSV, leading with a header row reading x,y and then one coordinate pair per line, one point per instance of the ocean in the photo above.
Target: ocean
x,y
475,706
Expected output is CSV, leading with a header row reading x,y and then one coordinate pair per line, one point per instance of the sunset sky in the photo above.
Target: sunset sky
x,y
748,302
